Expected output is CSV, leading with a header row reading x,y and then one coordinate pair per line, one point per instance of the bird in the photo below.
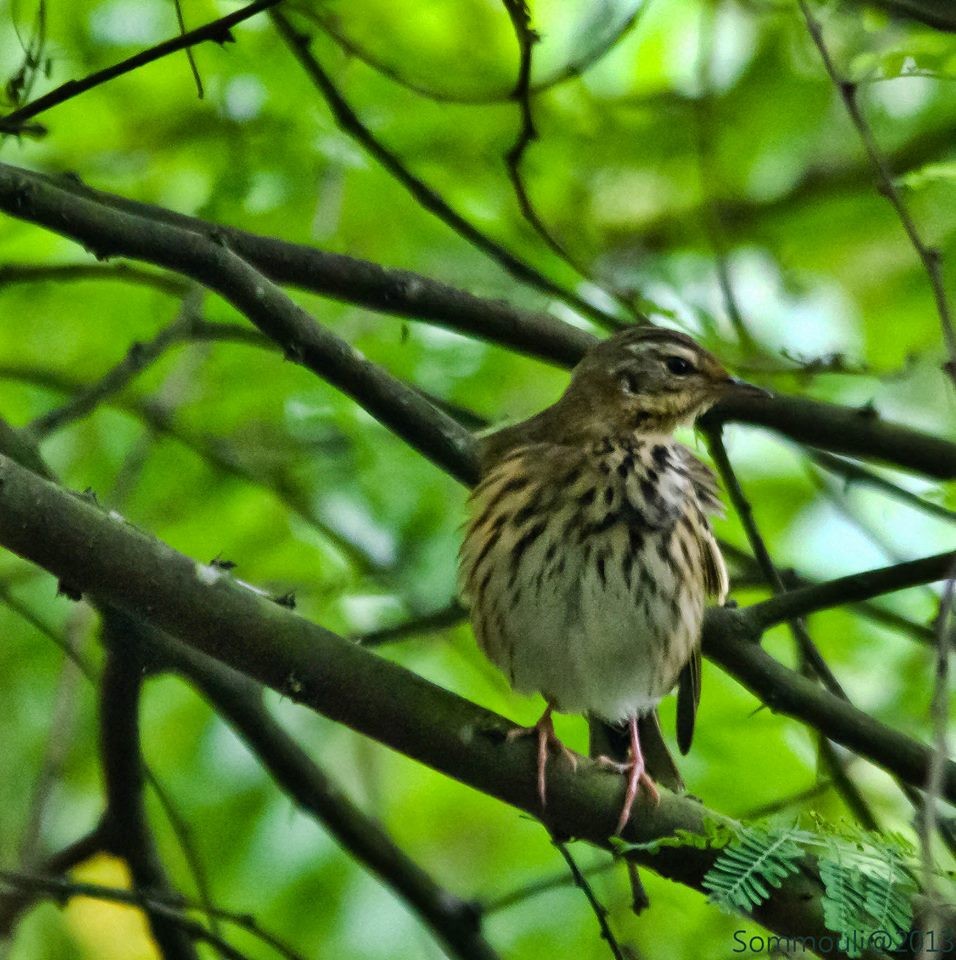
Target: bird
x,y
588,555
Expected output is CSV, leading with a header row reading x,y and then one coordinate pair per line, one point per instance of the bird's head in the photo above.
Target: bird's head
x,y
648,380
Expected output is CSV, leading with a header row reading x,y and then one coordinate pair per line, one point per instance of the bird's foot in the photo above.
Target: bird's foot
x,y
547,740
636,776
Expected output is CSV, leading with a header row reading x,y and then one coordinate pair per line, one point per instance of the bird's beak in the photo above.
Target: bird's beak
x,y
738,387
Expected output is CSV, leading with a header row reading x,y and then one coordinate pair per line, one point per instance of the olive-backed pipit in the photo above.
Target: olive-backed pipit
x,y
588,557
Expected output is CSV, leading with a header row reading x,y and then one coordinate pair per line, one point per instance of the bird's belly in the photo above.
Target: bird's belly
x,y
586,579
590,641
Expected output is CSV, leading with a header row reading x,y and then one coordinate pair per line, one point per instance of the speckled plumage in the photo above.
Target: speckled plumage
x,y
588,557
575,570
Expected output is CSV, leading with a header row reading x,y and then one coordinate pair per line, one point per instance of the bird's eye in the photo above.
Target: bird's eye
x,y
679,366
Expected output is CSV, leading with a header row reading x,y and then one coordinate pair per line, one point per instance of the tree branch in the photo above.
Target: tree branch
x,y
120,565
114,226
851,589
208,260
216,31
238,700
126,832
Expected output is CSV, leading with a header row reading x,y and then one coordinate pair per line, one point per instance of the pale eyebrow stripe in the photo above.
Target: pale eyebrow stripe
x,y
661,350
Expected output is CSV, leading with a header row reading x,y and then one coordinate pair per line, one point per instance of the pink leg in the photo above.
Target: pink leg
x,y
547,738
636,775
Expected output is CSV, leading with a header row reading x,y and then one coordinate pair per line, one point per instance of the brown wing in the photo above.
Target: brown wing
x,y
716,583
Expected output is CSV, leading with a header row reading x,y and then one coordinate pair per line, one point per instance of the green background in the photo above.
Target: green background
x,y
702,114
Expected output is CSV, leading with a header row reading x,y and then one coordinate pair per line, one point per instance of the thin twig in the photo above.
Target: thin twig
x,y
598,908
218,31
526,38
574,69
930,257
450,616
850,589
197,79
536,887
153,903
15,903
11,273
139,357
426,196
794,581
930,819
853,473
61,734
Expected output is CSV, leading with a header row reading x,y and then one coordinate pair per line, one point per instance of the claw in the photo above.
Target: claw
x,y
636,776
544,731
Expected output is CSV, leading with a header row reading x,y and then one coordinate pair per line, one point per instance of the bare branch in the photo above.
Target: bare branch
x,y
133,230
209,261
201,604
930,257
218,31
426,196
852,589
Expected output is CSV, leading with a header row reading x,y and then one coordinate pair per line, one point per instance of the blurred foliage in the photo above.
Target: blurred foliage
x,y
708,126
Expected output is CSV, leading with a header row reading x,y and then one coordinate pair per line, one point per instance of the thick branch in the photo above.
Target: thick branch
x,y
208,260
120,565
239,701
114,226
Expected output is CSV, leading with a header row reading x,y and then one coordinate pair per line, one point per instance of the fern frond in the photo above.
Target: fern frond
x,y
866,889
758,859
844,899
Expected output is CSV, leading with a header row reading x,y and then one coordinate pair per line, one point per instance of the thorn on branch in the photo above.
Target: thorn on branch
x,y
25,129
218,236
223,37
285,600
66,589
